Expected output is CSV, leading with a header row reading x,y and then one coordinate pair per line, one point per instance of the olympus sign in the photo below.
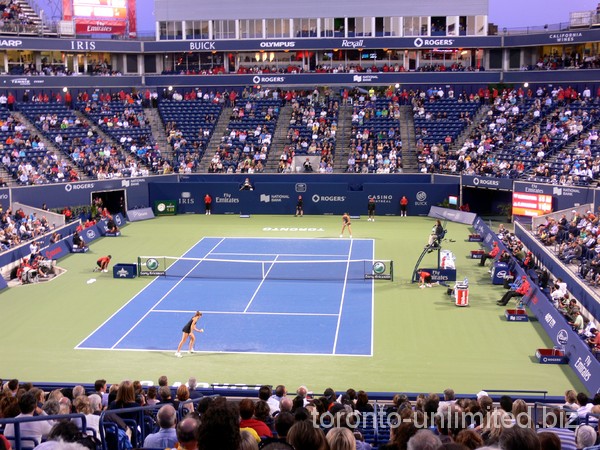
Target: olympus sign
x,y
485,182
418,42
278,44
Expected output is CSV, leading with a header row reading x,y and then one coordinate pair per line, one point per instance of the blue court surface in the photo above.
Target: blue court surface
x,y
319,308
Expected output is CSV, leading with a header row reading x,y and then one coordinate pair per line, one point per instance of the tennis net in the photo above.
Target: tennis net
x,y
275,269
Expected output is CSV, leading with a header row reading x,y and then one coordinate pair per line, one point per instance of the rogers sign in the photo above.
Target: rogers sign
x,y
433,42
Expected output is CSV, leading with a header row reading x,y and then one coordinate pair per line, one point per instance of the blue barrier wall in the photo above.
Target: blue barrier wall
x,y
22,251
75,194
319,197
558,269
581,360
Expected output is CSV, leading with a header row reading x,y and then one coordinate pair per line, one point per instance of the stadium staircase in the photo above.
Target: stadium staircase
x,y
215,140
107,138
280,139
33,17
343,137
466,134
49,144
410,162
158,131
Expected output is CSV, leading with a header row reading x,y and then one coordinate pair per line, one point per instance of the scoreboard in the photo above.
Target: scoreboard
x,y
108,9
532,205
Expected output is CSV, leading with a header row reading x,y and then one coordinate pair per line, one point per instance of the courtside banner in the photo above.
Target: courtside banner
x,y
135,215
576,286
56,251
89,234
581,359
453,215
22,251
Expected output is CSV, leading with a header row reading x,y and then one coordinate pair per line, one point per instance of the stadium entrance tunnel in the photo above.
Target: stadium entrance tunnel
x,y
115,200
487,202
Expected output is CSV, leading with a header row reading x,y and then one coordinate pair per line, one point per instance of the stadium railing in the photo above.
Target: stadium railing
x,y
17,421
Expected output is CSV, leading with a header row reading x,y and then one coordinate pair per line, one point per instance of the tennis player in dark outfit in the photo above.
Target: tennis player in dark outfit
x,y
371,209
300,207
188,332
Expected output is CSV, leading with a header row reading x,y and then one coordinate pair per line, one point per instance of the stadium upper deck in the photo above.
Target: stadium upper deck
x,y
263,44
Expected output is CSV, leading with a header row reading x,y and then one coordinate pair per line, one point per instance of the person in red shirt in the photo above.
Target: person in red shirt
x,y
248,420
491,255
424,279
207,204
403,206
519,292
102,263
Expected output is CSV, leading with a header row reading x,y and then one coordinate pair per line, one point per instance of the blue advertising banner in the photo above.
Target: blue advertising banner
x,y
319,197
77,194
505,184
70,45
576,286
313,79
5,200
323,44
90,234
41,82
553,38
563,197
553,76
102,227
452,215
17,253
581,360
57,251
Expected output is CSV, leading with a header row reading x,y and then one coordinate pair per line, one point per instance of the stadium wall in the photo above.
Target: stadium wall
x,y
320,197
576,286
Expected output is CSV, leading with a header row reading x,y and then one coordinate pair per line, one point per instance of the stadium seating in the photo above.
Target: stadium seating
x,y
248,137
376,143
190,125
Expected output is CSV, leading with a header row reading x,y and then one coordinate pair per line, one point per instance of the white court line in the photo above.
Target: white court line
x,y
373,305
260,284
164,296
337,328
265,238
128,302
310,255
256,313
209,352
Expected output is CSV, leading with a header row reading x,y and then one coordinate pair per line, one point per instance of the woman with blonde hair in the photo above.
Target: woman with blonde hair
x,y
521,415
341,439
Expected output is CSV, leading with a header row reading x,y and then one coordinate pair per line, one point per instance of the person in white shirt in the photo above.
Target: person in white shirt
x,y
31,430
560,289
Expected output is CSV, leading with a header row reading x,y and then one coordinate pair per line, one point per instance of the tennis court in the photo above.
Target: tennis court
x,y
258,295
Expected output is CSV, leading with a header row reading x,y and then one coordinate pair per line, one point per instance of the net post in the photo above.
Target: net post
x,y
391,270
139,265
